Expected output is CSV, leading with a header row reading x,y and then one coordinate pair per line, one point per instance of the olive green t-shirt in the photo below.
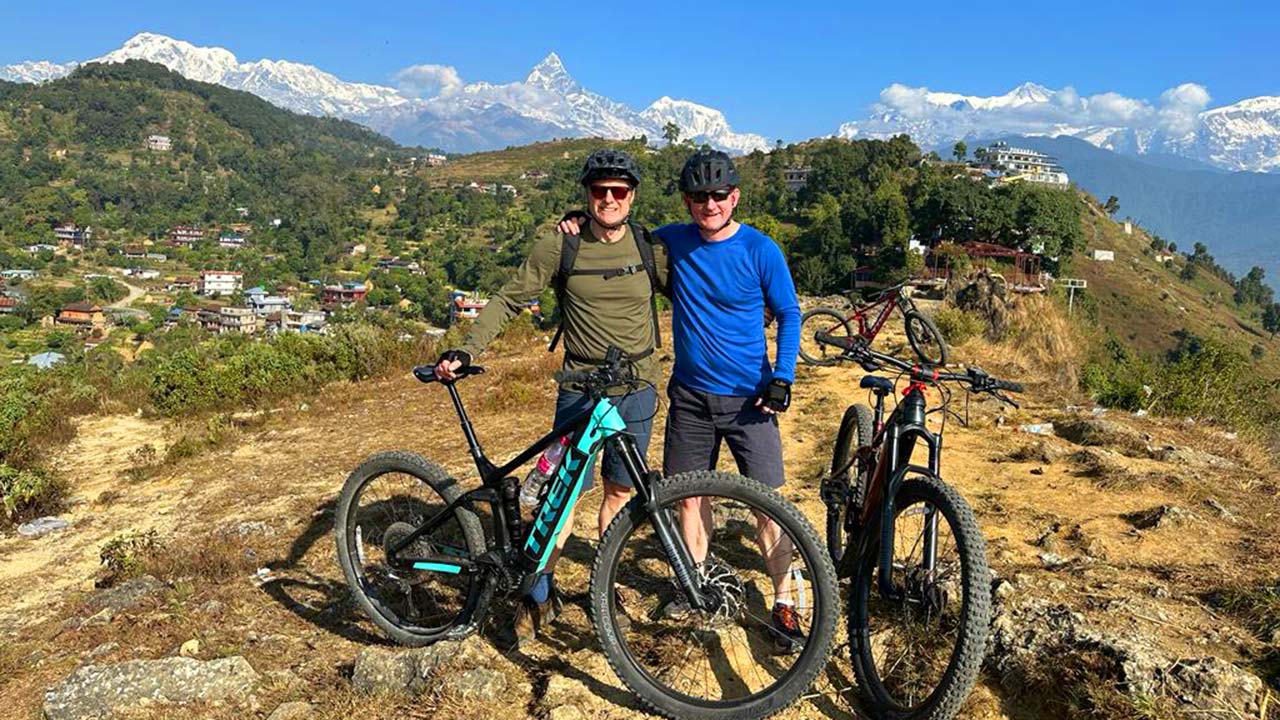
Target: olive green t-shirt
x,y
596,312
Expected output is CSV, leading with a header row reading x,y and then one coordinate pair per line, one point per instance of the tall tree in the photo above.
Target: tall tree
x,y
1112,205
671,133
960,151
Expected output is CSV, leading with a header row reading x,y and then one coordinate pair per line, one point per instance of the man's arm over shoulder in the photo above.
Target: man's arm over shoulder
x,y
534,275
780,297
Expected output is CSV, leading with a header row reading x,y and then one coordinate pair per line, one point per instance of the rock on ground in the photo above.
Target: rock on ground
x,y
1030,640
466,668
292,711
1100,432
98,691
127,595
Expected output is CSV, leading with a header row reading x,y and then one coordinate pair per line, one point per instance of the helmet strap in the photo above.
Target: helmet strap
x,y
607,226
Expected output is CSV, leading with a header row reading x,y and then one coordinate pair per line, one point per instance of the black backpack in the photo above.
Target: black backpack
x,y
569,246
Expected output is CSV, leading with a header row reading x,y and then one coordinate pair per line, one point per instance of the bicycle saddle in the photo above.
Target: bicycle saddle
x,y
878,385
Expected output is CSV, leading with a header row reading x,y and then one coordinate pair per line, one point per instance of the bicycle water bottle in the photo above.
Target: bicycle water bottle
x,y
541,472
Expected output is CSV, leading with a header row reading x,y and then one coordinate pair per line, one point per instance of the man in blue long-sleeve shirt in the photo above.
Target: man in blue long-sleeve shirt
x,y
723,276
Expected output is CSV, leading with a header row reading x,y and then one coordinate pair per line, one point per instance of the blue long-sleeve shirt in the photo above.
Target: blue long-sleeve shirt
x,y
719,291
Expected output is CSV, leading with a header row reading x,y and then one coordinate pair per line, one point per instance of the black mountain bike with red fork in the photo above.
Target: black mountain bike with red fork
x,y
865,321
919,603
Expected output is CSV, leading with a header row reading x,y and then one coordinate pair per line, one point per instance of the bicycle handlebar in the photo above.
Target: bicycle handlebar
x,y
856,349
613,371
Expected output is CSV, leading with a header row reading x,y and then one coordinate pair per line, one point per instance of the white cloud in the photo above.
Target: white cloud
x,y
1180,107
1029,109
1112,108
428,81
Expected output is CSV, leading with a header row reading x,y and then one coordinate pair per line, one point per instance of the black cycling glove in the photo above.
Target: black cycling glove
x,y
776,395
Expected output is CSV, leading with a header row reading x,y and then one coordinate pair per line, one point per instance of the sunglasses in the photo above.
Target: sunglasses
x,y
619,193
700,196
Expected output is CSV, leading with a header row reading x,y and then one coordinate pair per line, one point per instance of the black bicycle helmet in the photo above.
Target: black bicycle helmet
x,y
609,164
708,170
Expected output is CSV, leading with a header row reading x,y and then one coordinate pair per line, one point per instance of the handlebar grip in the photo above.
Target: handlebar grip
x,y
427,373
576,377
1006,385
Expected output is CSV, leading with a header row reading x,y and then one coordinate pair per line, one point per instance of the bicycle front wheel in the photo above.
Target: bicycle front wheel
x,y
821,320
775,611
917,656
388,497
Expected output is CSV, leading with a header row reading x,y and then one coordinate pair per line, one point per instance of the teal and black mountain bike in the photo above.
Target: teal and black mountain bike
x,y
681,605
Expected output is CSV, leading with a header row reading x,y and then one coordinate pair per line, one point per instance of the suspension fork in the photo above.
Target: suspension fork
x,y
897,474
673,544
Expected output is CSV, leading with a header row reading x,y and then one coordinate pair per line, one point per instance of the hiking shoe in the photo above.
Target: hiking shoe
x,y
788,638
530,620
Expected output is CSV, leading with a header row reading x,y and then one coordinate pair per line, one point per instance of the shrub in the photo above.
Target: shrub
x,y
123,556
29,493
957,326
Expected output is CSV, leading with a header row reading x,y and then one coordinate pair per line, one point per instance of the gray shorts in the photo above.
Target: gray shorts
x,y
636,409
696,423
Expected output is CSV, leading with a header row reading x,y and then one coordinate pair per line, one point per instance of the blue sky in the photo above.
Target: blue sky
x,y
789,70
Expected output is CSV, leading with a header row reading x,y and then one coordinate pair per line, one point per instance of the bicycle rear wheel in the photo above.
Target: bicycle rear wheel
x,y
925,339
750,656
384,500
918,656
821,320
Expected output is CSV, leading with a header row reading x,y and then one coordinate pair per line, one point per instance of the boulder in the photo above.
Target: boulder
x,y
466,668
1100,432
127,595
98,691
292,711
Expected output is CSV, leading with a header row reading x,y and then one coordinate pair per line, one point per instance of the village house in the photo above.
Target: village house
x,y
238,319
210,318
220,282
1025,164
388,263
257,299
242,212
299,321
181,283
17,274
465,305
8,305
135,252
72,234
41,247
159,143
533,175
231,240
185,235
83,316
796,177
344,295
436,160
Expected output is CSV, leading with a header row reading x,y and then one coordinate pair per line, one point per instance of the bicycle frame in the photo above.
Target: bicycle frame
x,y
588,431
893,444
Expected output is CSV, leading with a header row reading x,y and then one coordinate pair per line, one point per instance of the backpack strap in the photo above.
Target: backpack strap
x,y
569,245
644,244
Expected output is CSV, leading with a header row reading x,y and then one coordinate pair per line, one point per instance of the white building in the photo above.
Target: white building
x,y
434,160
231,240
159,143
1104,255
257,299
238,319
795,177
219,282
1025,164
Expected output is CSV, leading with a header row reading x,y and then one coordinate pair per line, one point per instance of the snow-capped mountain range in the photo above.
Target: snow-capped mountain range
x,y
458,117
1242,136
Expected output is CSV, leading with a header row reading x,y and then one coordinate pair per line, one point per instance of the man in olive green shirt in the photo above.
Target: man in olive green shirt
x,y
607,302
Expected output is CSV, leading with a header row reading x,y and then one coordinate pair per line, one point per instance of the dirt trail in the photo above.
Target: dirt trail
x,y
286,474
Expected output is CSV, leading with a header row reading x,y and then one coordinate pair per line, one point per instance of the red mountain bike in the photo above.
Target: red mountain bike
x,y
870,316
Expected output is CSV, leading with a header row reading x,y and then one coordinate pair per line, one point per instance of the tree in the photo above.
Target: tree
x,y
671,133
980,154
1252,290
1271,319
960,151
1111,206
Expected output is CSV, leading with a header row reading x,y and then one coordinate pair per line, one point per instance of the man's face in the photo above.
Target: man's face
x,y
610,200
712,209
